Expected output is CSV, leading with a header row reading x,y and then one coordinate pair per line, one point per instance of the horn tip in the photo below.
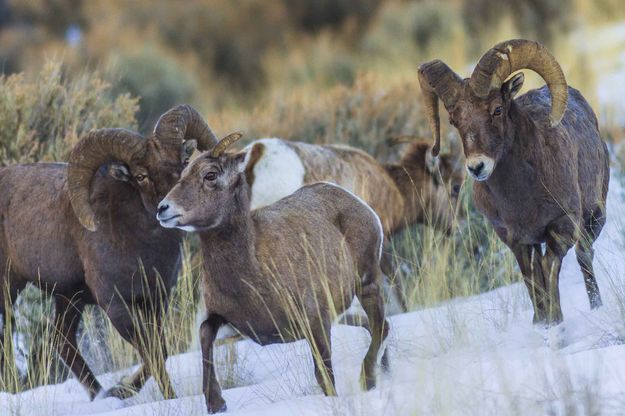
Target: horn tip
x,y
89,223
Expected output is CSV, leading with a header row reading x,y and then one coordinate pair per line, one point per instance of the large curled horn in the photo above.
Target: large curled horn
x,y
437,80
95,149
507,57
224,144
181,123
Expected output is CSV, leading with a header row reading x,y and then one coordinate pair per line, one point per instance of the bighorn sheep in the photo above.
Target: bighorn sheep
x,y
411,191
85,234
541,174
419,189
278,273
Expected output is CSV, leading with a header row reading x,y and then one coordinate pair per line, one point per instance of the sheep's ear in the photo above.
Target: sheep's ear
x,y
253,156
511,87
119,171
188,147
239,161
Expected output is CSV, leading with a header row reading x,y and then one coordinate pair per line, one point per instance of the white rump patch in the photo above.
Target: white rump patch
x,y
377,218
278,173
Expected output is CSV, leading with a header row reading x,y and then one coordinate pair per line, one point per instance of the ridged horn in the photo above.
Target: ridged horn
x,y
438,81
225,143
507,57
92,151
181,123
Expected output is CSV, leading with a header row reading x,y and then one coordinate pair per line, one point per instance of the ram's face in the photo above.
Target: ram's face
x,y
482,124
154,172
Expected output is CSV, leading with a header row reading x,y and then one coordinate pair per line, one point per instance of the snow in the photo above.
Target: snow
x,y
470,356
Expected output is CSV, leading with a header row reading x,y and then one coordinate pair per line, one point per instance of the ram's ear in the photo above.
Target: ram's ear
x,y
511,87
188,147
119,171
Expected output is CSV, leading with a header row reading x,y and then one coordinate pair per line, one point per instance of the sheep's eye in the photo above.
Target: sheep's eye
x,y
140,178
210,176
455,190
185,162
498,111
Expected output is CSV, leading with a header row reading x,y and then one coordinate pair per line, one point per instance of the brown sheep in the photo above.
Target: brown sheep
x,y
419,189
278,273
541,174
84,231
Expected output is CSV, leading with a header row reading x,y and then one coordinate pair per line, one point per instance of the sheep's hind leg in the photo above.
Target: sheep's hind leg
x,y
585,253
371,299
66,322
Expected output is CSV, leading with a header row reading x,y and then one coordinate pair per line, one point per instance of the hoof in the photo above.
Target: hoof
x,y
120,391
217,408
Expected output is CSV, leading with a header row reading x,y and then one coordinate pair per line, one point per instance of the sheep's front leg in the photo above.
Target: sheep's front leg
x,y
210,385
529,263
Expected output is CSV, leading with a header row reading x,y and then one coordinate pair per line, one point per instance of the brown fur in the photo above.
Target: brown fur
x,y
269,271
401,194
549,184
44,243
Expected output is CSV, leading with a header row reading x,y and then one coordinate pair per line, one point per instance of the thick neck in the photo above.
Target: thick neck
x,y
228,250
121,210
517,167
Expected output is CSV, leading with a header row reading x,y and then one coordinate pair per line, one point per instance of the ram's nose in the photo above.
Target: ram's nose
x,y
480,167
477,169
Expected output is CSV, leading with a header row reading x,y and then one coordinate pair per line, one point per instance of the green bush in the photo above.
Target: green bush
x,y
44,116
158,80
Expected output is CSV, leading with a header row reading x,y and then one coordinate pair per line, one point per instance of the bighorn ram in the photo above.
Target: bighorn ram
x,y
419,189
281,272
541,174
85,234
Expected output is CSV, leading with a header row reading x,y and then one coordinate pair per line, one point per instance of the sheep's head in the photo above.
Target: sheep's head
x,y
479,106
207,191
430,184
150,165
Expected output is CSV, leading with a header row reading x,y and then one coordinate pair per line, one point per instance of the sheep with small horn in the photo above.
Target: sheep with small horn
x,y
281,272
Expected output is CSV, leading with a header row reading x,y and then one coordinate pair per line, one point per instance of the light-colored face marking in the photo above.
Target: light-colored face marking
x,y
278,173
480,167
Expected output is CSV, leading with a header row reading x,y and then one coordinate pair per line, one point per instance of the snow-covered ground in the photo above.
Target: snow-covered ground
x,y
470,356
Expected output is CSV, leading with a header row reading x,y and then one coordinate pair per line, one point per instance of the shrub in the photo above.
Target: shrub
x,y
158,80
44,116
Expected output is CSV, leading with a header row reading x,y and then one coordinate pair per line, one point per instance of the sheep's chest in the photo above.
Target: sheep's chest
x,y
517,218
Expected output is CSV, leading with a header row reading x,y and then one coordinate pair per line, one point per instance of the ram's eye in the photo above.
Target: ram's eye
x,y
498,111
210,176
140,178
185,162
